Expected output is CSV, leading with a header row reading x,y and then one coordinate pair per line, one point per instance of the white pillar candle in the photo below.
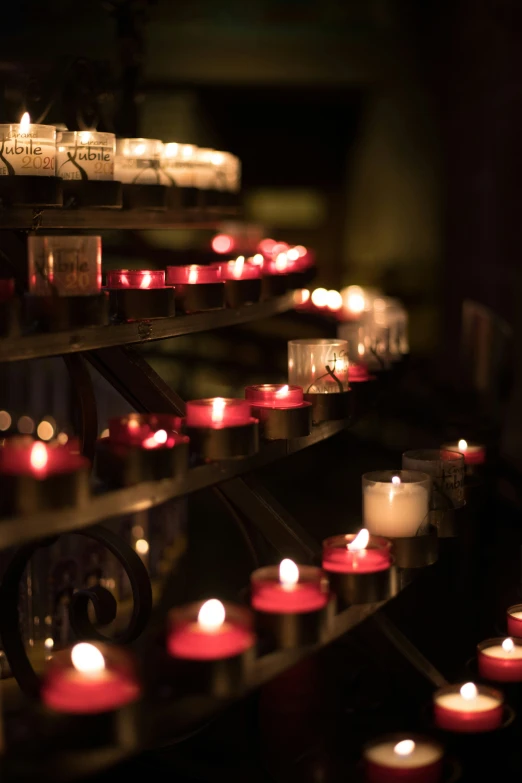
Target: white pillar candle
x,y
27,149
179,162
85,155
396,504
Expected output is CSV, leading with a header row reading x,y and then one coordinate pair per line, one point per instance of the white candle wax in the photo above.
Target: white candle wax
x,y
423,754
482,702
179,163
518,615
497,651
86,155
395,510
27,149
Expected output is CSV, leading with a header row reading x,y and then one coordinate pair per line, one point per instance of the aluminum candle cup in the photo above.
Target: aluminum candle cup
x,y
359,567
396,505
90,693
281,410
211,645
500,660
291,603
468,708
142,447
242,281
320,367
446,469
139,294
197,288
403,758
221,428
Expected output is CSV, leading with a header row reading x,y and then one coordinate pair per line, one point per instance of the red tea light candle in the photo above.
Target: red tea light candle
x,y
468,708
130,278
239,270
193,274
269,395
208,632
359,554
289,589
393,760
514,620
90,679
358,372
148,431
500,659
38,460
474,453
218,412
197,288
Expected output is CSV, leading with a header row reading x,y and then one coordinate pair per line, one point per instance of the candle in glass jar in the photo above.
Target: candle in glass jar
x,y
396,503
148,431
468,708
500,660
64,265
218,412
27,149
85,155
37,459
179,160
88,682
356,554
319,366
209,631
514,620
289,589
138,162
390,759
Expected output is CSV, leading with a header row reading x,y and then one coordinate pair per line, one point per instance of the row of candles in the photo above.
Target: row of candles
x,y
29,149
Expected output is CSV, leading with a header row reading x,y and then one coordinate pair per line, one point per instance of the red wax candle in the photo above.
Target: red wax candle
x,y
270,395
238,270
192,275
514,620
358,372
468,708
500,659
218,412
356,554
394,759
209,631
148,431
33,458
89,679
474,453
131,278
289,589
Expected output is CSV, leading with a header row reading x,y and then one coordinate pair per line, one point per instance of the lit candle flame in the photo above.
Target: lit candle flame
x,y
85,137
281,262
139,149
319,297
404,748
87,659
293,254
25,122
39,456
334,300
193,275
395,480
463,445
508,645
355,299
360,541
469,691
211,615
288,573
237,266
360,349
258,259
218,408
282,392
146,280
160,436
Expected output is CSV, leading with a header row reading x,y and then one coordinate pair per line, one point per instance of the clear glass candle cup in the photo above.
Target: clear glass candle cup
x,y
64,265
85,155
447,471
319,366
138,162
178,161
27,149
396,503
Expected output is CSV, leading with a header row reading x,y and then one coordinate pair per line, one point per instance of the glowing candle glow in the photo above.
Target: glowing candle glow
x,y
27,149
218,412
289,589
500,660
85,155
209,631
468,708
138,162
192,274
514,620
137,279
474,453
271,395
415,761
356,553
396,503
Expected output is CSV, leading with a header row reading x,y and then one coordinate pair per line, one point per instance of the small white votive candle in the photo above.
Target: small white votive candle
x,y
27,149
396,503
85,155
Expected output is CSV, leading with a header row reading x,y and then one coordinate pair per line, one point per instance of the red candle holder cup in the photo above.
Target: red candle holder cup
x,y
212,646
482,712
282,412
142,447
36,476
500,659
360,567
221,428
242,281
9,309
294,609
399,758
358,372
474,457
197,288
514,620
139,294
89,694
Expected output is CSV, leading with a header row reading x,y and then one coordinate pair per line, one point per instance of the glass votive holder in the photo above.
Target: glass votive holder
x,y
354,333
85,155
64,265
410,758
27,149
138,162
447,471
320,367
179,161
206,170
396,504
142,279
